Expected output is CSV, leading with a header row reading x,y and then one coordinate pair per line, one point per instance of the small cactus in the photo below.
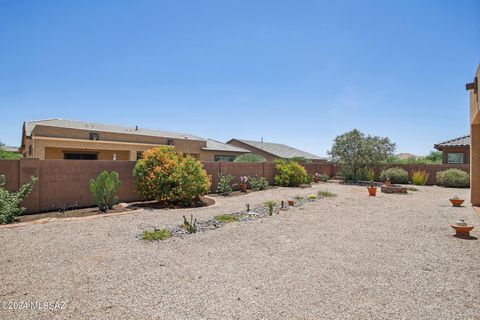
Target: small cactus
x,y
191,226
270,205
103,190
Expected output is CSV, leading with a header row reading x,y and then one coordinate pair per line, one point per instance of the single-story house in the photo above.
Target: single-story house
x,y
70,139
271,151
455,151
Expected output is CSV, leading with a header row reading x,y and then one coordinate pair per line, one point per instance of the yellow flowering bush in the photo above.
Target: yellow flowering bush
x,y
170,177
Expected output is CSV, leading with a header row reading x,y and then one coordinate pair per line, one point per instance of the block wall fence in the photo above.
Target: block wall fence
x,y
65,182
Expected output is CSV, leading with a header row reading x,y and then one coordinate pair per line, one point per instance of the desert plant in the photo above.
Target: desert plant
x,y
371,174
170,177
157,234
250,158
312,197
323,177
419,177
258,183
453,178
396,175
270,205
353,150
299,198
226,218
290,174
326,194
224,187
10,202
103,190
190,226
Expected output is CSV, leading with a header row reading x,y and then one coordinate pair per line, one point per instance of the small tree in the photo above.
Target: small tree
x,y
10,202
10,155
353,150
250,158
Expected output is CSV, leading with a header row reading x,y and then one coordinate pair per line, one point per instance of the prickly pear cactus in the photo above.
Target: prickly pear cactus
x,y
104,188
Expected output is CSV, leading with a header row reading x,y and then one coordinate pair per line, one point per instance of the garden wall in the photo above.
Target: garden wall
x,y
65,182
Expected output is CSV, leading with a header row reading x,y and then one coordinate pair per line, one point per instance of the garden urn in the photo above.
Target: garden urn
x,y
243,187
456,202
462,229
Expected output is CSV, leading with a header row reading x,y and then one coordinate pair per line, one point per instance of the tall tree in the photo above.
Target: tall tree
x,y
354,151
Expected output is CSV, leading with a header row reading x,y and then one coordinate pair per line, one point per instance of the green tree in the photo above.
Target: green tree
x,y
250,158
300,160
4,154
434,157
355,151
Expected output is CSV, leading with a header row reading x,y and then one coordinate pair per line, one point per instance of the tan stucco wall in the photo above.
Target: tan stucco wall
x,y
58,153
475,142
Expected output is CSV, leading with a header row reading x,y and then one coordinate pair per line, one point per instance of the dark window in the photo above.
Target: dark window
x,y
94,136
79,156
29,150
139,155
225,158
170,142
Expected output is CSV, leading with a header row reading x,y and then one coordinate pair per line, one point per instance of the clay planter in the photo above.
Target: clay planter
x,y
457,202
462,231
291,203
243,187
372,191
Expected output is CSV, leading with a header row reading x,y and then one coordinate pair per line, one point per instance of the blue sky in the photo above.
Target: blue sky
x,y
296,72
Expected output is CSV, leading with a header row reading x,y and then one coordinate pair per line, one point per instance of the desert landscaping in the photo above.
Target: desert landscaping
x,y
349,256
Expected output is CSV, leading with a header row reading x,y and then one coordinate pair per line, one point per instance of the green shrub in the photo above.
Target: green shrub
x,y
170,177
420,178
103,190
270,205
10,202
300,160
370,175
226,218
312,197
258,183
224,187
326,194
324,177
453,178
290,174
396,175
250,158
157,234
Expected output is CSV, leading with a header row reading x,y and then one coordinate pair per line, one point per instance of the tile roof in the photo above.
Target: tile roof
x,y
215,145
82,125
280,150
457,142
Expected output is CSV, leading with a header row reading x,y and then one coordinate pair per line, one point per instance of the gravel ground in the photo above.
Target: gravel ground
x,y
347,257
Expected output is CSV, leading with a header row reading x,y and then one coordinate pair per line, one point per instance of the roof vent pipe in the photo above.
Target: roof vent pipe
x,y
136,128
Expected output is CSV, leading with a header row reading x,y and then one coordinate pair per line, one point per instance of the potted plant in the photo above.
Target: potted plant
x,y
243,183
291,203
462,229
372,190
456,201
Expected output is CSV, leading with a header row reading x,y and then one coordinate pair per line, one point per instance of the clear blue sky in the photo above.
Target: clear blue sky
x,y
296,72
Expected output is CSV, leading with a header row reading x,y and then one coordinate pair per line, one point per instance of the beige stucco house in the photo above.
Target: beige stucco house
x,y
474,139
69,139
271,151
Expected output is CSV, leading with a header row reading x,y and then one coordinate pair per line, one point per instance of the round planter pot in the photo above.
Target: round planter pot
x,y
462,231
291,203
457,202
243,187
372,191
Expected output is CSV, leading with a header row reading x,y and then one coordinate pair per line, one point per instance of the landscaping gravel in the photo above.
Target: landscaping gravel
x,y
351,256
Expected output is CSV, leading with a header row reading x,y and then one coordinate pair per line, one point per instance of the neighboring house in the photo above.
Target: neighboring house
x,y
455,151
68,139
271,151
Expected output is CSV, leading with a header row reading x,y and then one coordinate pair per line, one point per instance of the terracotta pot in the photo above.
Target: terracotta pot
x,y
462,231
243,187
372,191
291,202
457,202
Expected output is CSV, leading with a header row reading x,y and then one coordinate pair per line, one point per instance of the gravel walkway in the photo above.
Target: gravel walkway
x,y
348,257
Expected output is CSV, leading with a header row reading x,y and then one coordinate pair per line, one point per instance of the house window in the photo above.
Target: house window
x,y
455,157
94,136
139,155
79,156
30,150
170,142
225,158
